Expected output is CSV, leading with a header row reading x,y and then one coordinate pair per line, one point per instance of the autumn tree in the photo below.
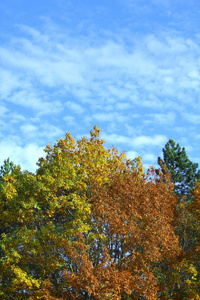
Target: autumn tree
x,y
194,256
88,225
184,280
50,209
131,218
134,214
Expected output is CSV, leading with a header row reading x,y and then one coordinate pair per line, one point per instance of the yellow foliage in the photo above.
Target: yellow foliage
x,y
88,222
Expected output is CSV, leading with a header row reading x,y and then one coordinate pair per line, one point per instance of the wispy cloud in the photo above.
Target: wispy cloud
x,y
76,108
160,65
26,156
161,119
132,154
191,118
138,87
155,140
110,117
136,142
69,120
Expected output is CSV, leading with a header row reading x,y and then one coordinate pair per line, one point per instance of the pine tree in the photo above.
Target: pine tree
x,y
7,168
184,173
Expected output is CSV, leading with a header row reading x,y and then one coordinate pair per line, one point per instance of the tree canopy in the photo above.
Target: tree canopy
x,y
90,224
184,173
7,168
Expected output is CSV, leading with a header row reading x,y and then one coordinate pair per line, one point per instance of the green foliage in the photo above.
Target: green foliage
x,y
182,278
42,215
184,173
91,225
7,168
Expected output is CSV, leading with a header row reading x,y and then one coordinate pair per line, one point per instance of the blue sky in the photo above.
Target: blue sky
x,y
132,67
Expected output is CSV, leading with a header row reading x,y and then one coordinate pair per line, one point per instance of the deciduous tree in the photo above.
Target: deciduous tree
x,y
88,225
49,209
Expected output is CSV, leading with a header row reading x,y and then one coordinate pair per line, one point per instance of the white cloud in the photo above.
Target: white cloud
x,y
3,111
44,131
31,155
114,139
142,141
149,157
69,120
151,79
123,105
132,154
139,142
77,108
191,117
26,156
194,73
9,82
51,132
29,129
109,117
152,68
16,118
163,119
31,99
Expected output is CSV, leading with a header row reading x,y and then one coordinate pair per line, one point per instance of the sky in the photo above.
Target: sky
x,y
131,67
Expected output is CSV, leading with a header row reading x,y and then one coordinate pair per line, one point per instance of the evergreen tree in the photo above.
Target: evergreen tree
x,y
184,173
7,168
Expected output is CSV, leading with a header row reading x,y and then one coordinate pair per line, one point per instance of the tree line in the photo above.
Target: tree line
x,y
91,224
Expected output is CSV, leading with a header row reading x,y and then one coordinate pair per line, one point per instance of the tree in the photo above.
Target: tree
x,y
184,173
130,233
194,255
88,225
49,210
186,272
185,176
7,168
134,213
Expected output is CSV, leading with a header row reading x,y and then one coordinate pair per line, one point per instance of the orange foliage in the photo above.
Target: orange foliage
x,y
131,219
93,226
